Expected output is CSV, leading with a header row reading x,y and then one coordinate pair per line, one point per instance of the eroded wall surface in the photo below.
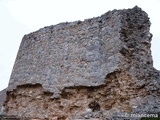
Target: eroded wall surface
x,y
2,98
97,68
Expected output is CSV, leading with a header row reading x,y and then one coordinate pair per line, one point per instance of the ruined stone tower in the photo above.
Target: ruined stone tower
x,y
97,68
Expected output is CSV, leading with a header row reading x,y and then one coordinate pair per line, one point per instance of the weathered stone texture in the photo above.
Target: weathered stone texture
x,y
70,54
2,98
99,68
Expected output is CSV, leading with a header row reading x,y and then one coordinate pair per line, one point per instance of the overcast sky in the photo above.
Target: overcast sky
x,y
20,17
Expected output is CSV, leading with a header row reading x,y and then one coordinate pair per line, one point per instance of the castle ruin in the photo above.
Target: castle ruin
x,y
100,68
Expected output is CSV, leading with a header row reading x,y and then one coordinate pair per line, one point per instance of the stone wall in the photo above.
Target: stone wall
x,y
2,98
70,54
97,68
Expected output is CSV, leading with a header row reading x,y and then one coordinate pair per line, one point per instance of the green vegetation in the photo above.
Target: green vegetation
x,y
151,118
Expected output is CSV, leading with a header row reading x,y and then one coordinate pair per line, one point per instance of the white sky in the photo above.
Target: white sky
x,y
20,17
